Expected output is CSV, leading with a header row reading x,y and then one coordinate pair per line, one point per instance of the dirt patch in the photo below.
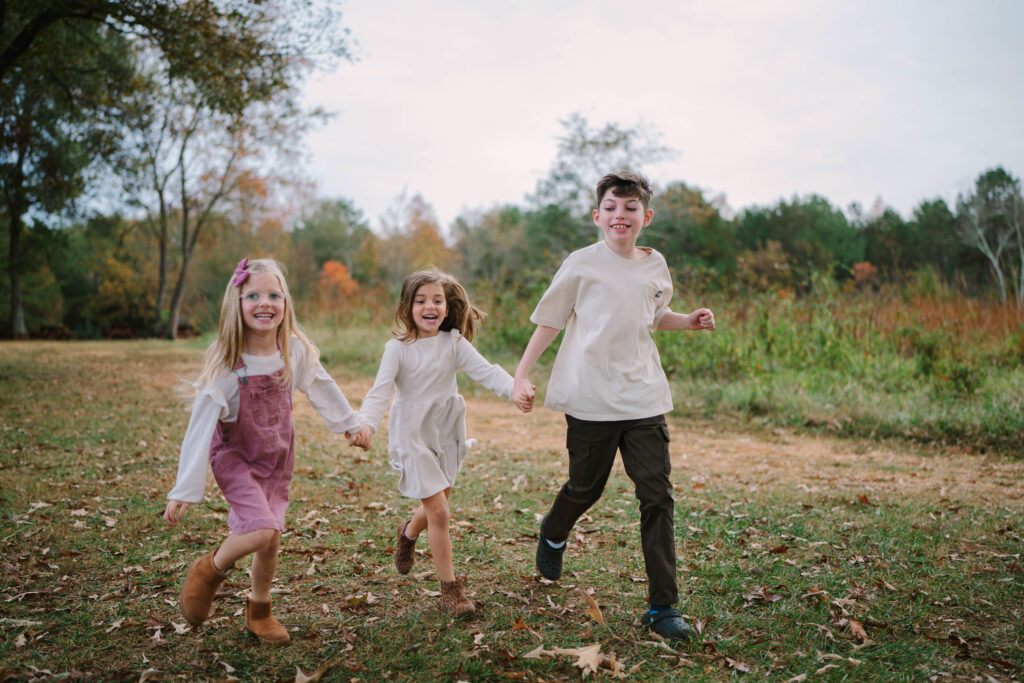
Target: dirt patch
x,y
703,455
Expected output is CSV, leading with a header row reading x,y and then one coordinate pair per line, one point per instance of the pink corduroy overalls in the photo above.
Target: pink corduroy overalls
x,y
252,459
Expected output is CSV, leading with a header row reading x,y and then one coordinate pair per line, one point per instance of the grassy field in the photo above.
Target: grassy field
x,y
802,557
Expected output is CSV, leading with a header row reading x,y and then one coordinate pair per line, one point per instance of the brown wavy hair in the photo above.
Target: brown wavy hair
x,y
462,315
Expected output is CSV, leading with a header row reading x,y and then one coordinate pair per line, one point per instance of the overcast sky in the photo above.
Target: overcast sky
x,y
460,100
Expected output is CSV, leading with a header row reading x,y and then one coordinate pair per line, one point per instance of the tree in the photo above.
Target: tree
x,y
816,235
936,236
690,231
991,220
333,230
890,242
224,57
493,246
54,102
584,155
412,239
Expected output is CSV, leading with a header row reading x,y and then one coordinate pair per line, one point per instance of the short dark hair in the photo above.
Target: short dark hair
x,y
626,184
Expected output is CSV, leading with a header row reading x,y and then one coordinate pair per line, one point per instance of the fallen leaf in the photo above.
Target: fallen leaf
x,y
20,641
737,665
588,658
594,611
797,679
315,676
857,629
537,653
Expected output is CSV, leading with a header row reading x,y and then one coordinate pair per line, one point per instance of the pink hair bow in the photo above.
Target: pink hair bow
x,y
241,274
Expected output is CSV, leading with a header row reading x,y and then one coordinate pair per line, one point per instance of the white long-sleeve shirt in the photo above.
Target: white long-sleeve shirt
x,y
427,428
219,402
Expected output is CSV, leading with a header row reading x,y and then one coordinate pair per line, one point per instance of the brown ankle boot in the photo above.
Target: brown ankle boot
x,y
262,623
454,600
201,585
405,553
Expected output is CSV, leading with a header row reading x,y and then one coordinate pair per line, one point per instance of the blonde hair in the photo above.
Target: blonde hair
x,y
225,352
461,315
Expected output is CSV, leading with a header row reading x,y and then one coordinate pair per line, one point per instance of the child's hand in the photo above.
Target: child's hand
x,y
702,319
174,511
361,439
523,394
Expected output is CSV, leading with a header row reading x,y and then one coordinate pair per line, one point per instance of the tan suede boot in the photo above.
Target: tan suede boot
x,y
405,553
262,623
454,599
201,585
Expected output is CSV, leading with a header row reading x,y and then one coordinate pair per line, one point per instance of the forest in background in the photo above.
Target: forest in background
x,y
146,147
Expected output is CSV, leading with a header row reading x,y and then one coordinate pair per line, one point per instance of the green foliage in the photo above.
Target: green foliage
x,y
815,234
690,231
333,230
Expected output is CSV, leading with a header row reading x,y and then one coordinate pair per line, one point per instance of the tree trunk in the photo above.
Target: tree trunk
x,y
18,329
176,300
161,289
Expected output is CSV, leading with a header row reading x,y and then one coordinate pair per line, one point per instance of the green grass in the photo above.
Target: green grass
x,y
942,372
777,574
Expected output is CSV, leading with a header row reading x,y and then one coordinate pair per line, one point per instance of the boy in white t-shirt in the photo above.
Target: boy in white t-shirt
x,y
608,380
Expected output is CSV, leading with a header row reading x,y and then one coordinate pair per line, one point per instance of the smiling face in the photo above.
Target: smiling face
x,y
620,220
263,303
429,308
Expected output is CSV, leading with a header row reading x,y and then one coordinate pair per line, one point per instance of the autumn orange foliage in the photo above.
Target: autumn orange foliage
x,y
334,286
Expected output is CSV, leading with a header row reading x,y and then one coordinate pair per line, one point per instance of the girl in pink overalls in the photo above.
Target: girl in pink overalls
x,y
242,422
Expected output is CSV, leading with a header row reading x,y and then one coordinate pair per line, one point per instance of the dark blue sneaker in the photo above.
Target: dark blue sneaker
x,y
667,623
549,560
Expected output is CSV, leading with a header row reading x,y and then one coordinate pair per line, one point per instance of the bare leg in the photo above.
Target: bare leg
x,y
436,511
417,524
264,566
237,546
419,519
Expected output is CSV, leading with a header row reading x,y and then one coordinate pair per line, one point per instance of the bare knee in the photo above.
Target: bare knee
x,y
436,510
265,539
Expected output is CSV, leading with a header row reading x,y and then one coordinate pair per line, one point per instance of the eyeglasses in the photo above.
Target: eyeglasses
x,y
255,297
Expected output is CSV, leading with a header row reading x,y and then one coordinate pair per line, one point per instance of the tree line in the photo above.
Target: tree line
x,y
146,145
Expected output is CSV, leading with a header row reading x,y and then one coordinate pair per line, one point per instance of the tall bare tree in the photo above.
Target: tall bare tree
x,y
990,220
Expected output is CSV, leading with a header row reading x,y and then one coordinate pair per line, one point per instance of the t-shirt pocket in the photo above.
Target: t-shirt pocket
x,y
653,298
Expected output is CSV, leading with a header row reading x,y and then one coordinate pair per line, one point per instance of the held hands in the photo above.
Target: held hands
x,y
174,511
361,439
523,394
702,319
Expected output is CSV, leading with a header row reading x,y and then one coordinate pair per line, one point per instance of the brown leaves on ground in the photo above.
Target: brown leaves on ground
x,y
589,659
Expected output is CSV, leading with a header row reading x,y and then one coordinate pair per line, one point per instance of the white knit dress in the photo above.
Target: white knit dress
x,y
427,427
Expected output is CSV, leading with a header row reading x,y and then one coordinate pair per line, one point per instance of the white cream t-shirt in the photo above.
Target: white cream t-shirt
x,y
607,367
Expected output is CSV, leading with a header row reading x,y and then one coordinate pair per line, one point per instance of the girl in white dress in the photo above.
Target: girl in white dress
x,y
427,428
